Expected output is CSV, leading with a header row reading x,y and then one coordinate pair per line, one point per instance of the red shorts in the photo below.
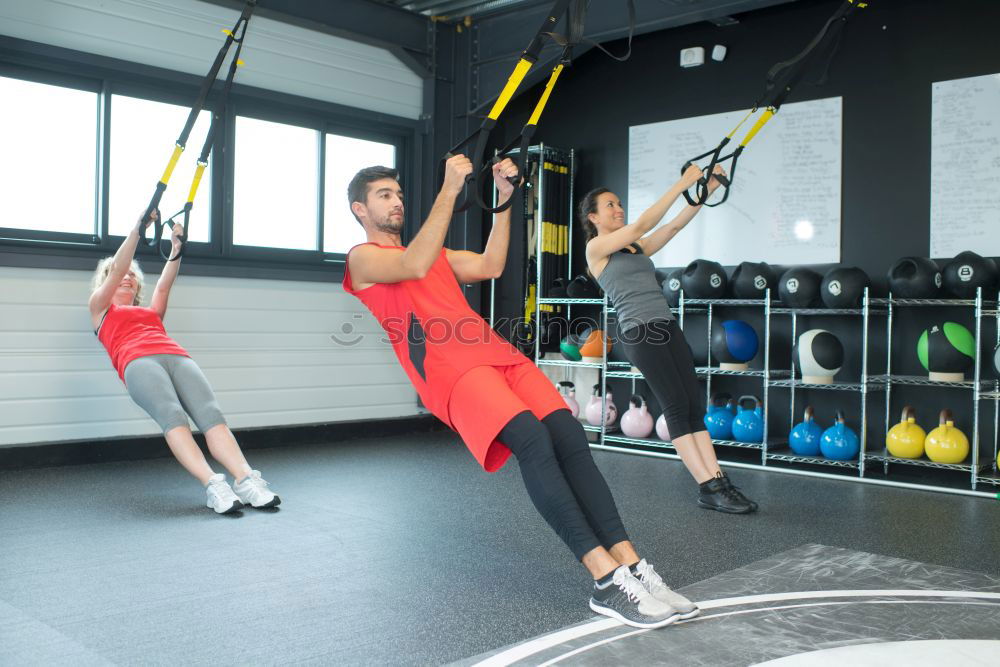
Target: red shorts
x,y
486,398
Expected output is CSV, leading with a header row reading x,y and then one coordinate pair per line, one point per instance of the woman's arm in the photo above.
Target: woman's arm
x,y
100,299
161,294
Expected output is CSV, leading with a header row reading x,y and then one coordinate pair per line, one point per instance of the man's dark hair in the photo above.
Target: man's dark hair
x,y
357,190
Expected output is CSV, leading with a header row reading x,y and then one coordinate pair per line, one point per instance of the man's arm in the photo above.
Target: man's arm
x,y
371,264
472,267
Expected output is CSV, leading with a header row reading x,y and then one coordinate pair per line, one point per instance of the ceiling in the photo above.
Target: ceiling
x,y
462,8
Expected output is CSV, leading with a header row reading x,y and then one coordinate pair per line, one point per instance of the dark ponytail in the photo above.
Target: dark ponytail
x,y
587,206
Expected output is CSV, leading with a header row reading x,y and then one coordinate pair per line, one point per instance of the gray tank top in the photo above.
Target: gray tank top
x,y
629,279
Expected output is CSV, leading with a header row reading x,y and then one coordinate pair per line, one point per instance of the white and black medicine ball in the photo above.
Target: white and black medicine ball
x,y
798,287
968,271
704,279
843,287
671,287
915,278
751,280
818,354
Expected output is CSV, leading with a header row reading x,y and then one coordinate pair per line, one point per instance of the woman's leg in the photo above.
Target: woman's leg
x,y
149,385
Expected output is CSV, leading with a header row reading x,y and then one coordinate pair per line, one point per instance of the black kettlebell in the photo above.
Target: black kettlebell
x,y
915,278
799,287
704,279
558,289
672,287
843,287
968,271
751,280
582,287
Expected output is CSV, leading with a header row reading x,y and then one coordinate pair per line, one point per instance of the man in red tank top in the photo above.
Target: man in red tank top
x,y
487,391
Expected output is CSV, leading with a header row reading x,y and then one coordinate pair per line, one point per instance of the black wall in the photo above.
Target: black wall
x,y
890,55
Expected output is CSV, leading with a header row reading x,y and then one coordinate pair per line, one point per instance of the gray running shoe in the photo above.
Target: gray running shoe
x,y
659,590
628,601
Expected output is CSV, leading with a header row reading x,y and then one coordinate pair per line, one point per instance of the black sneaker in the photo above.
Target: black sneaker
x,y
718,494
735,489
628,601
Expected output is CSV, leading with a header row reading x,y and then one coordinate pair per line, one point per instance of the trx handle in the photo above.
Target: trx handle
x,y
237,34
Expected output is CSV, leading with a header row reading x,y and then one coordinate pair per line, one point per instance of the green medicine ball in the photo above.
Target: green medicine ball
x,y
570,349
946,348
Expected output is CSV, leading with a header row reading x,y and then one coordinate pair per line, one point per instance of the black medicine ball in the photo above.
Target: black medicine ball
x,y
966,272
799,287
843,287
751,280
704,279
915,278
672,287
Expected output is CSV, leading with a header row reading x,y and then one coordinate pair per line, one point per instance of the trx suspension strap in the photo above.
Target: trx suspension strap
x,y
576,13
237,34
781,79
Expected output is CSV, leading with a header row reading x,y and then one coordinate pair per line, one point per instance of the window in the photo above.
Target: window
x,y
48,174
276,193
344,158
142,137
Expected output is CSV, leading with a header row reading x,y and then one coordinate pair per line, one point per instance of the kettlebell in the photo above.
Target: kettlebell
x,y
594,408
568,391
748,424
839,442
582,287
637,422
946,444
558,289
719,417
805,436
905,440
662,432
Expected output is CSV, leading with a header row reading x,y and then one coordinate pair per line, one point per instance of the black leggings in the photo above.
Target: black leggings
x,y
563,481
658,349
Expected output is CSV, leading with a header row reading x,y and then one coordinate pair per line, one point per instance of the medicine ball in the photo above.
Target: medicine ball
x,y
843,287
819,355
672,287
799,287
915,278
569,347
704,279
734,342
751,280
946,348
966,272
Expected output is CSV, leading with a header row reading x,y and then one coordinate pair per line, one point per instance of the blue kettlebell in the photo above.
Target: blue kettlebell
x,y
748,425
719,417
804,438
839,442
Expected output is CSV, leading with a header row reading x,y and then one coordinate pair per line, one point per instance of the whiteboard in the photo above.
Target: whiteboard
x,y
784,205
965,166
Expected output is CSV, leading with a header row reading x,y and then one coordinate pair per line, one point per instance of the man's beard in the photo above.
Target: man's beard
x,y
388,225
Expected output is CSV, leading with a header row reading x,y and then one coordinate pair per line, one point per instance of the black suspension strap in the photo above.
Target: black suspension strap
x,y
781,80
575,12
236,35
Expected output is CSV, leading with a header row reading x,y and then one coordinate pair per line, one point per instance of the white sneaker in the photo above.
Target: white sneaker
x,y
220,496
253,491
659,590
626,600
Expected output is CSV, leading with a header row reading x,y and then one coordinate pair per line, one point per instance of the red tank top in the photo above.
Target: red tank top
x,y
436,336
130,332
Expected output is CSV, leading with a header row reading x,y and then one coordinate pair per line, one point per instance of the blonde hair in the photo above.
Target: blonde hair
x,y
104,268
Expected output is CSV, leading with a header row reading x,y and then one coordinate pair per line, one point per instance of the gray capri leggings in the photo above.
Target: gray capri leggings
x,y
168,385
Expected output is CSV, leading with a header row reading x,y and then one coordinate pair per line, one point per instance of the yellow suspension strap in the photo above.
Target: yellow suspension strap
x,y
781,79
236,35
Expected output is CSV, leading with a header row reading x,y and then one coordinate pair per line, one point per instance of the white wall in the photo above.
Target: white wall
x,y
264,344
184,35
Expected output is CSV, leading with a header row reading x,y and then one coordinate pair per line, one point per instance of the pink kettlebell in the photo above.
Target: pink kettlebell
x,y
595,407
637,422
568,391
662,432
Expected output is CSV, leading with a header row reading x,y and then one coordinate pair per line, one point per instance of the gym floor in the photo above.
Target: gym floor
x,y
401,550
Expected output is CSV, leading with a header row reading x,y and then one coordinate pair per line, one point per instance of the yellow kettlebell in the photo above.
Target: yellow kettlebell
x,y
905,440
946,444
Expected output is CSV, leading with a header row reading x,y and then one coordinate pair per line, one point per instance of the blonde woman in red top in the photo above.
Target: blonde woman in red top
x,y
162,378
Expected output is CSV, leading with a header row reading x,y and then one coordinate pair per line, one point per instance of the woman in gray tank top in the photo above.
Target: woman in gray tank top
x,y
618,257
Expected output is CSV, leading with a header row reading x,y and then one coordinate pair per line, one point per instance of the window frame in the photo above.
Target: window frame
x,y
51,65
